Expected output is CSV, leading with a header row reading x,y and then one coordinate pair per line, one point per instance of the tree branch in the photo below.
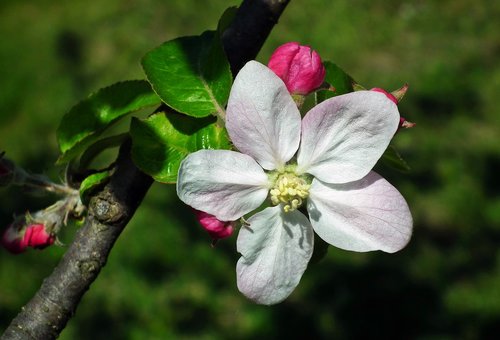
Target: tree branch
x,y
47,313
250,29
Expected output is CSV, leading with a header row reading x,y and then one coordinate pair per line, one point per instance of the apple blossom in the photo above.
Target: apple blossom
x,y
299,67
321,163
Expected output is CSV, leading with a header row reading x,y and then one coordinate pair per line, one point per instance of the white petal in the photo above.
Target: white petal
x,y
275,249
223,183
343,137
262,119
369,214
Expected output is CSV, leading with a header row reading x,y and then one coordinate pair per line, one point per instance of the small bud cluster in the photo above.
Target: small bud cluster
x,y
38,230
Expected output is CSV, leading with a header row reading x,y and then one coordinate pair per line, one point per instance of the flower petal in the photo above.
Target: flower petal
x,y
223,183
275,249
262,119
343,137
369,214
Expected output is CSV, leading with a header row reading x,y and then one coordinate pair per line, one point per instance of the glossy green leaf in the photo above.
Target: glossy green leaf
x,y
160,142
393,159
340,80
91,184
99,146
191,74
81,126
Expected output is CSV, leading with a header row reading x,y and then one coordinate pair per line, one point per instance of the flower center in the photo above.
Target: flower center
x,y
290,190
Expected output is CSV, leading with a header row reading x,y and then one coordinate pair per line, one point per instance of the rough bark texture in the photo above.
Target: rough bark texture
x,y
47,313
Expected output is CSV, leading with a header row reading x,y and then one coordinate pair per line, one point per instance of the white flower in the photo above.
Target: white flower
x,y
349,206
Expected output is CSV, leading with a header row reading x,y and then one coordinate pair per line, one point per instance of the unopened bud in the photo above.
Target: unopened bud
x,y
388,95
299,67
17,237
216,229
13,239
36,236
395,97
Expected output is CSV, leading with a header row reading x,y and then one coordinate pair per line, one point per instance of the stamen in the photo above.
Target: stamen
x,y
290,190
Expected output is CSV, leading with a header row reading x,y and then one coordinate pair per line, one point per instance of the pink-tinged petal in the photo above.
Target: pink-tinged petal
x,y
276,248
369,214
223,183
343,137
262,119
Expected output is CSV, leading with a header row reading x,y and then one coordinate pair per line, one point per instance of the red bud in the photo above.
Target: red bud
x,y
216,229
299,67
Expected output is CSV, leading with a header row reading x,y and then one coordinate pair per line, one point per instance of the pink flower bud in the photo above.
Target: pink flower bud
x,y
403,123
13,240
299,67
216,229
16,239
37,237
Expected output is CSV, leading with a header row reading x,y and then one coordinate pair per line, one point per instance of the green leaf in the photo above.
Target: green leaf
x,y
191,74
95,149
335,76
393,159
160,142
81,126
92,183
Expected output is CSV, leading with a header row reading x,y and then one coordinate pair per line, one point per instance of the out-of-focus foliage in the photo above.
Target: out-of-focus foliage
x,y
163,280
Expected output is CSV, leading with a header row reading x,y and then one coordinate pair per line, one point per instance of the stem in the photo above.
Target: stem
x,y
47,313
39,182
251,26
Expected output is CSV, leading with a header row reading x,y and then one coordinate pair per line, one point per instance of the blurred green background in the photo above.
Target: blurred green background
x,y
163,280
